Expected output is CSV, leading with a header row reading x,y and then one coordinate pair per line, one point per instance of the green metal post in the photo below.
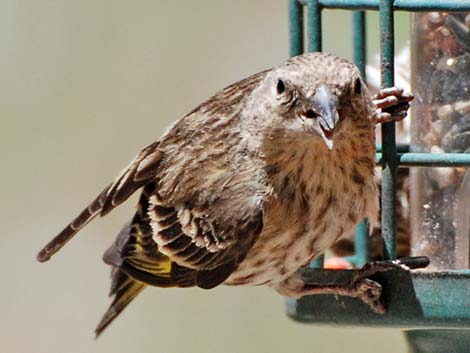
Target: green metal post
x,y
314,44
361,244
411,159
401,5
389,153
359,41
314,25
434,159
296,27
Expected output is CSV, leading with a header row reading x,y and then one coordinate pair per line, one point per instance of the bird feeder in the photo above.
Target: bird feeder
x,y
432,305
441,79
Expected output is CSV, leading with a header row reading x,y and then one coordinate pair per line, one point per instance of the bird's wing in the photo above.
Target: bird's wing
x,y
137,260
141,171
196,138
212,244
136,263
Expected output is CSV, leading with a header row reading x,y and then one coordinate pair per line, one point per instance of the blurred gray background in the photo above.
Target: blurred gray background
x,y
85,85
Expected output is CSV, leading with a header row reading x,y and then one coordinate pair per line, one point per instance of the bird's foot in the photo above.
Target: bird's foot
x,y
361,286
369,291
391,104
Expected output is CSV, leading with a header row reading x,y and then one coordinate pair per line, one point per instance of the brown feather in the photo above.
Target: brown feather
x,y
73,228
110,197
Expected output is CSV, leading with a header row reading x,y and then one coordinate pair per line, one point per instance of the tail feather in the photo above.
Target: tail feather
x,y
136,263
123,287
124,290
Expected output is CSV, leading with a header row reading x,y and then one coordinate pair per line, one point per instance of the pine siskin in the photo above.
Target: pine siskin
x,y
250,186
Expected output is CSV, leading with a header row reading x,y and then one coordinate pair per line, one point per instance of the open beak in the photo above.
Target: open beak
x,y
325,104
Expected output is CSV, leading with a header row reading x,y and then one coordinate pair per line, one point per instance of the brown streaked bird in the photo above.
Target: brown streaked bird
x,y
250,186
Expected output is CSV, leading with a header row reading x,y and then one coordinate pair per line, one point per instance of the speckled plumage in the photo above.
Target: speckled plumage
x,y
345,246
248,187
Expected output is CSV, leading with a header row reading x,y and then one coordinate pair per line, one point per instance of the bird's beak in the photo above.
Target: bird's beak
x,y
325,103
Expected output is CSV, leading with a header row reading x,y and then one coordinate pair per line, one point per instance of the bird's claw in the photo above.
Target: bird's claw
x,y
369,291
360,286
391,104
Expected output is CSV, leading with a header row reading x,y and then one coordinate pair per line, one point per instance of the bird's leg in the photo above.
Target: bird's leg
x,y
364,289
391,104
360,286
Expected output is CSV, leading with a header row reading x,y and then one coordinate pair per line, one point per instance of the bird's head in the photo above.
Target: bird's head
x,y
309,97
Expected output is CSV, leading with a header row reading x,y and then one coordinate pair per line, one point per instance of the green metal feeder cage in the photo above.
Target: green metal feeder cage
x,y
433,307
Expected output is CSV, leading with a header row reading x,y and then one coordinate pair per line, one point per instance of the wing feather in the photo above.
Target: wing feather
x,y
131,179
200,131
202,244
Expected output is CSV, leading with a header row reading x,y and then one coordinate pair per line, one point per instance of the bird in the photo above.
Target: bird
x,y
250,186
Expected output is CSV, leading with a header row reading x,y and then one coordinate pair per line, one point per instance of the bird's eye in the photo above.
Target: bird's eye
x,y
310,114
357,86
281,87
